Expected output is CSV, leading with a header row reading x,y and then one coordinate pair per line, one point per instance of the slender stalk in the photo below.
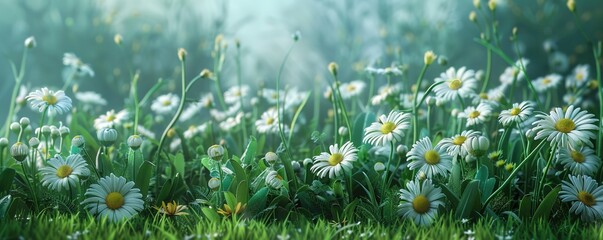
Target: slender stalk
x,y
415,116
239,81
18,79
546,170
136,104
488,70
339,100
597,55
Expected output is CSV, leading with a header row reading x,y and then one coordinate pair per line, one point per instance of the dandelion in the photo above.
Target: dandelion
x,y
53,102
428,159
351,89
518,113
268,122
387,129
113,197
457,144
581,161
234,94
335,161
586,196
165,104
110,119
172,209
459,82
476,115
63,174
542,84
566,128
420,202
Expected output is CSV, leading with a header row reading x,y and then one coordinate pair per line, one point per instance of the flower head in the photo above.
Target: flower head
x,y
54,102
516,114
420,202
586,197
165,104
476,115
581,161
113,197
62,174
428,159
387,129
172,209
459,82
335,161
566,128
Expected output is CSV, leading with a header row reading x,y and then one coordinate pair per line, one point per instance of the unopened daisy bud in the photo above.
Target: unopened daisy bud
x,y
30,42
215,152
254,101
514,32
530,134
307,161
213,183
500,163
15,127
479,75
429,57
478,146
379,166
470,159
107,136
494,155
271,158
473,16
492,5
333,67
134,142
181,54
296,166
54,132
509,167
63,130
454,112
206,73
45,130
34,142
24,121
401,149
78,141
571,5
343,131
477,3
421,175
429,100
218,40
296,36
117,39
272,180
443,60
19,151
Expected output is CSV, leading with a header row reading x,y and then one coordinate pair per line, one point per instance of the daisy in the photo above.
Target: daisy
x,y
90,98
190,111
514,72
79,68
384,92
542,84
271,95
194,130
457,144
231,122
54,102
406,100
114,198
110,119
428,159
387,129
559,61
586,197
476,115
222,115
165,104
570,128
518,113
235,93
268,123
207,100
145,132
63,174
420,202
578,77
332,164
293,98
351,89
572,99
582,161
456,83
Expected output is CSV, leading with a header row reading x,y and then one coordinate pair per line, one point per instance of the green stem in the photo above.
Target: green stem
x,y
339,100
136,104
546,170
239,80
488,70
597,55
415,116
18,80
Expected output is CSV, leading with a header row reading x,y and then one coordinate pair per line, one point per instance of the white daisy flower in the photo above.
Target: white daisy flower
x,y
582,161
165,104
420,202
113,197
476,115
207,100
457,144
559,61
293,98
268,123
384,92
79,67
222,115
110,119
572,99
518,113
406,100
90,98
337,160
190,111
231,122
145,132
428,159
387,129
56,102
235,93
194,130
456,83
542,84
586,196
271,95
571,128
351,89
63,174
513,72
579,77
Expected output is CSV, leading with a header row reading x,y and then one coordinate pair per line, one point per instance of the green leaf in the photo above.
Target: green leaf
x,y
249,154
470,201
165,191
525,207
362,121
455,180
452,197
482,174
210,214
206,163
257,202
487,188
179,163
144,177
544,209
243,192
231,199
6,179
5,203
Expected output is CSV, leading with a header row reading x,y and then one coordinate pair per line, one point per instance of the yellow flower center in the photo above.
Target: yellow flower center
x,y
586,198
483,96
474,114
351,88
579,76
111,117
166,103
50,99
455,84
114,200
459,140
269,121
64,171
335,159
388,127
546,81
515,111
432,157
565,125
577,156
420,204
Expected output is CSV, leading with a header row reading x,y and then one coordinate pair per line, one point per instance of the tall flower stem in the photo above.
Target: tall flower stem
x,y
546,171
488,70
136,103
339,100
415,116
597,54
18,79
239,81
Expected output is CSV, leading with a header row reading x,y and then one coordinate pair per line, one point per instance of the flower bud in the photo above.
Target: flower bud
x,y
206,73
478,146
443,60
401,149
296,166
24,121
45,130
473,16
492,5
273,181
107,136
3,143
476,3
214,183
134,142
34,142
333,67
30,42
296,36
54,132
571,5
117,39
379,166
343,131
509,166
429,100
19,151
15,127
429,57
215,152
271,158
78,141
421,175
307,161
181,54
64,130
